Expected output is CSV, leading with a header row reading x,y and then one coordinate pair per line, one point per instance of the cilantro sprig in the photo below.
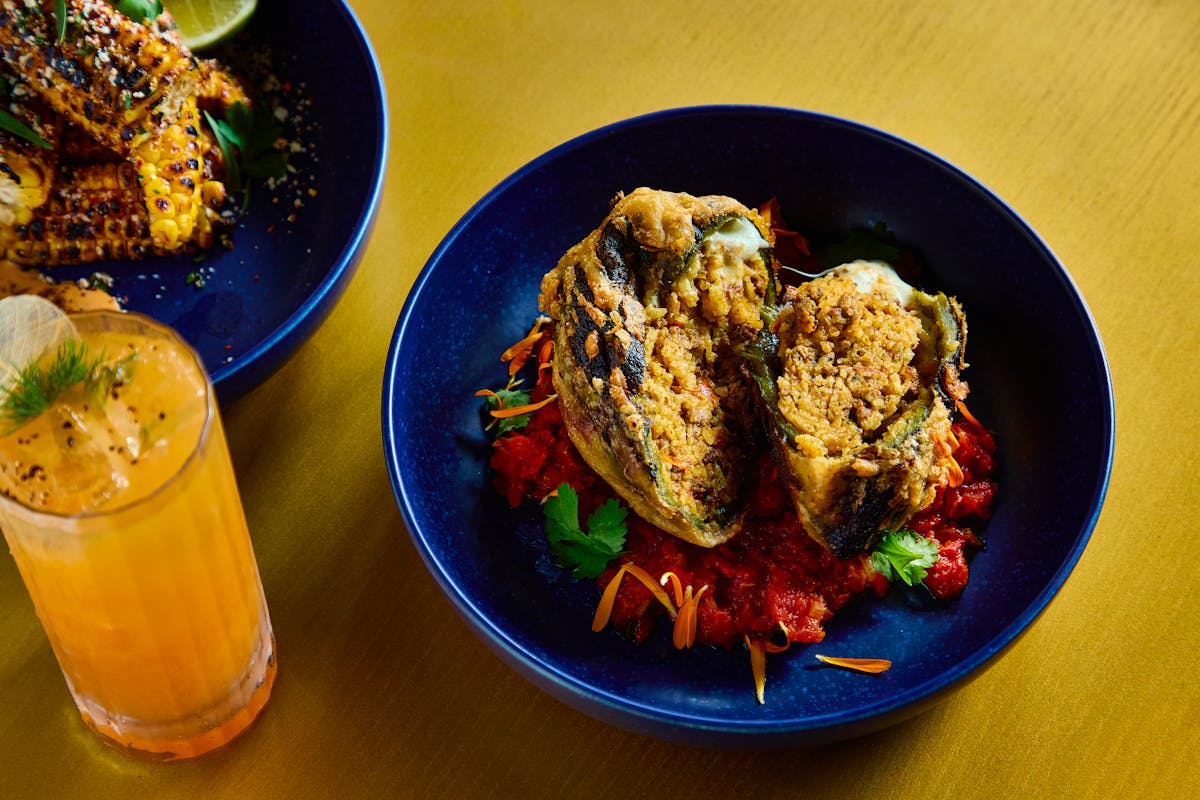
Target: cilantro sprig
x,y
904,555
509,397
247,140
586,553
35,387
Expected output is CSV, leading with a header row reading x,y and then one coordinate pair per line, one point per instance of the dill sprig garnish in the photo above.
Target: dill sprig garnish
x,y
36,387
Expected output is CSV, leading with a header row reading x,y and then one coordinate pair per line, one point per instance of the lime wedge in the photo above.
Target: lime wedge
x,y
203,23
29,326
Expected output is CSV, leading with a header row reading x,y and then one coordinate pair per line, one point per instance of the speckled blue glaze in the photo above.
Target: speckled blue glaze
x,y
267,295
1039,379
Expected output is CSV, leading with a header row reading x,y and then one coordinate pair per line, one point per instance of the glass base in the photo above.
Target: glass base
x,y
198,734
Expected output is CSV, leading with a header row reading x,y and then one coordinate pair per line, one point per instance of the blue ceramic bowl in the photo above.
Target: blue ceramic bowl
x,y
1038,376
263,298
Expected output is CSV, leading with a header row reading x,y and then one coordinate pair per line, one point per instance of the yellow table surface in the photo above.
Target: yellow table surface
x,y
1084,116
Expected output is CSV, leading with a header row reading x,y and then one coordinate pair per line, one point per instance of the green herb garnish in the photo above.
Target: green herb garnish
x,y
194,279
60,20
247,140
36,388
139,10
586,553
509,398
17,128
904,554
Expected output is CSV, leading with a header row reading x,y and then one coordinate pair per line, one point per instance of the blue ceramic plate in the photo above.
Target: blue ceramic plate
x,y
1038,376
289,264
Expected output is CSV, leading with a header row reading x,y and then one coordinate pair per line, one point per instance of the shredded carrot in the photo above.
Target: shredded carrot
x,y
502,413
487,393
872,666
962,409
758,665
518,353
545,353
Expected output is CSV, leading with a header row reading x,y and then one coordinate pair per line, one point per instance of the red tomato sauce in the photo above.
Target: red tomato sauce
x,y
771,581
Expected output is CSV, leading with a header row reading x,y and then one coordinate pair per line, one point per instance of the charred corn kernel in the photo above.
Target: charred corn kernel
x,y
165,234
212,194
155,187
183,202
218,89
94,213
115,79
186,224
164,206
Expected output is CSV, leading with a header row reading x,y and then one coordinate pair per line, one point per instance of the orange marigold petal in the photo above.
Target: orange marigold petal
x,y
607,600
758,665
518,353
652,585
967,415
501,413
676,586
956,476
872,666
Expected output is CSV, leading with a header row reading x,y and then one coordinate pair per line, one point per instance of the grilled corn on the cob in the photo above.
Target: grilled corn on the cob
x,y
95,213
116,79
138,172
26,169
177,183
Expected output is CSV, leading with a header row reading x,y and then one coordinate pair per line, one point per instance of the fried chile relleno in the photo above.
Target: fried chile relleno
x,y
865,371
671,351
649,311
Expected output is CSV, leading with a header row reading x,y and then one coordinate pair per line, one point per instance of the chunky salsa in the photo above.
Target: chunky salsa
x,y
770,585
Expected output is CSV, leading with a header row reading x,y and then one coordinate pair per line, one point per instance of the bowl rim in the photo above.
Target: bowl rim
x,y
234,379
612,706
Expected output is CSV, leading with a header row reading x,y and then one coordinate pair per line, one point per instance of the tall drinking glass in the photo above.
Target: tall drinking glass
x,y
120,508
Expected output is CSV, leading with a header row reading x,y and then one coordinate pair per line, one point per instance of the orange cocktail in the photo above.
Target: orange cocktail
x,y
120,507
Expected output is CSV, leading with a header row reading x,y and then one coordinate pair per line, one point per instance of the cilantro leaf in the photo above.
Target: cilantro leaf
x,y
904,554
510,399
139,10
606,525
587,554
247,140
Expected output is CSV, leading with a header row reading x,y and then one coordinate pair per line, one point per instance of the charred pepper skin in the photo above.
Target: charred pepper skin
x,y
648,310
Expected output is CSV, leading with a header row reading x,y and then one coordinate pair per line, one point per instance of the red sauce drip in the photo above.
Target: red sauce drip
x,y
770,578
